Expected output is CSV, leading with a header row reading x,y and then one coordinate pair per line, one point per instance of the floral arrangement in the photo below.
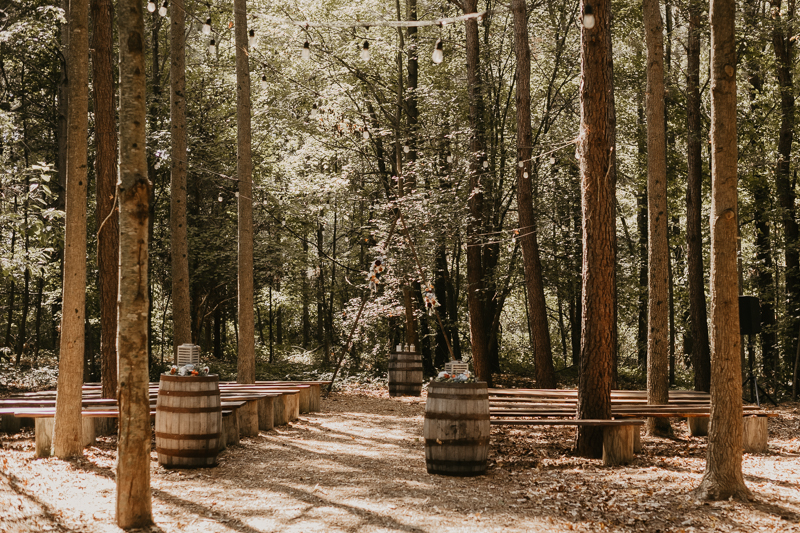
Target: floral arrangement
x,y
430,298
375,272
444,377
188,370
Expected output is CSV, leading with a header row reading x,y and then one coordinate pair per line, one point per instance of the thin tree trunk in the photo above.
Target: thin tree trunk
x,y
179,234
723,474
537,309
106,176
658,249
475,269
244,172
134,505
596,146
306,298
12,290
67,440
38,320
701,354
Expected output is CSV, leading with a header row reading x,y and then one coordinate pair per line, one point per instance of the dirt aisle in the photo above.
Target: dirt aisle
x,y
359,466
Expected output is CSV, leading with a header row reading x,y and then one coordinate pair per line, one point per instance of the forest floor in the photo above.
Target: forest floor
x,y
358,465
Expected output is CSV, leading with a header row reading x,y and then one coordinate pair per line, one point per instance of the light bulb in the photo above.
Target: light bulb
x,y
406,149
264,84
207,27
306,54
521,164
151,6
588,17
252,41
313,110
163,10
449,158
525,175
438,52
219,198
365,51
485,164
552,160
212,47
365,135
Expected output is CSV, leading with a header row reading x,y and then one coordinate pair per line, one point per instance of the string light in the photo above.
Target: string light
x,y
264,84
525,175
306,53
449,158
588,17
485,164
521,164
219,199
252,41
207,27
406,149
151,6
163,10
365,51
365,135
212,47
438,52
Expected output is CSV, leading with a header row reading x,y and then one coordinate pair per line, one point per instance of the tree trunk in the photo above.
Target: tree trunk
x,y
782,39
475,273
595,148
134,506
306,299
723,474
179,234
658,250
106,176
244,172
537,309
11,287
67,428
701,354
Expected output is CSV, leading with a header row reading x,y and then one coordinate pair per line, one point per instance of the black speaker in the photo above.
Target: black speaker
x,y
749,315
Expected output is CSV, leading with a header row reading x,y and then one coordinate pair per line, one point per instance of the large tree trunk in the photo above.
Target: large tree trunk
x,y
782,39
106,172
537,309
723,474
244,172
595,147
658,250
179,234
134,505
67,440
698,323
478,318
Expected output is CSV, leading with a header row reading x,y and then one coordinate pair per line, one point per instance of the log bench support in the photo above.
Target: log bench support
x,y
698,425
620,437
248,419
755,434
44,434
266,413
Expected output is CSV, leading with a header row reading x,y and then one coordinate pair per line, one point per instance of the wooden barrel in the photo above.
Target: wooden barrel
x,y
405,374
456,429
188,421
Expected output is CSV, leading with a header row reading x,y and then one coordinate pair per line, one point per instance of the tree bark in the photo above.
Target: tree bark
x,y
658,250
537,309
67,428
723,474
134,505
179,232
244,171
106,176
595,148
701,354
782,32
475,271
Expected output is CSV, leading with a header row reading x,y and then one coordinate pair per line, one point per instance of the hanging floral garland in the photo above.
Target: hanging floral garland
x,y
430,298
375,271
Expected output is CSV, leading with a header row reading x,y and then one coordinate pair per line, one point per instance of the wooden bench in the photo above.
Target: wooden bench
x,y
619,436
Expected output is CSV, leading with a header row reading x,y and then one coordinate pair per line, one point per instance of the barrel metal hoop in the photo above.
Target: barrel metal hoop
x,y
188,379
175,452
210,392
457,417
484,441
452,462
169,409
196,436
405,368
449,396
